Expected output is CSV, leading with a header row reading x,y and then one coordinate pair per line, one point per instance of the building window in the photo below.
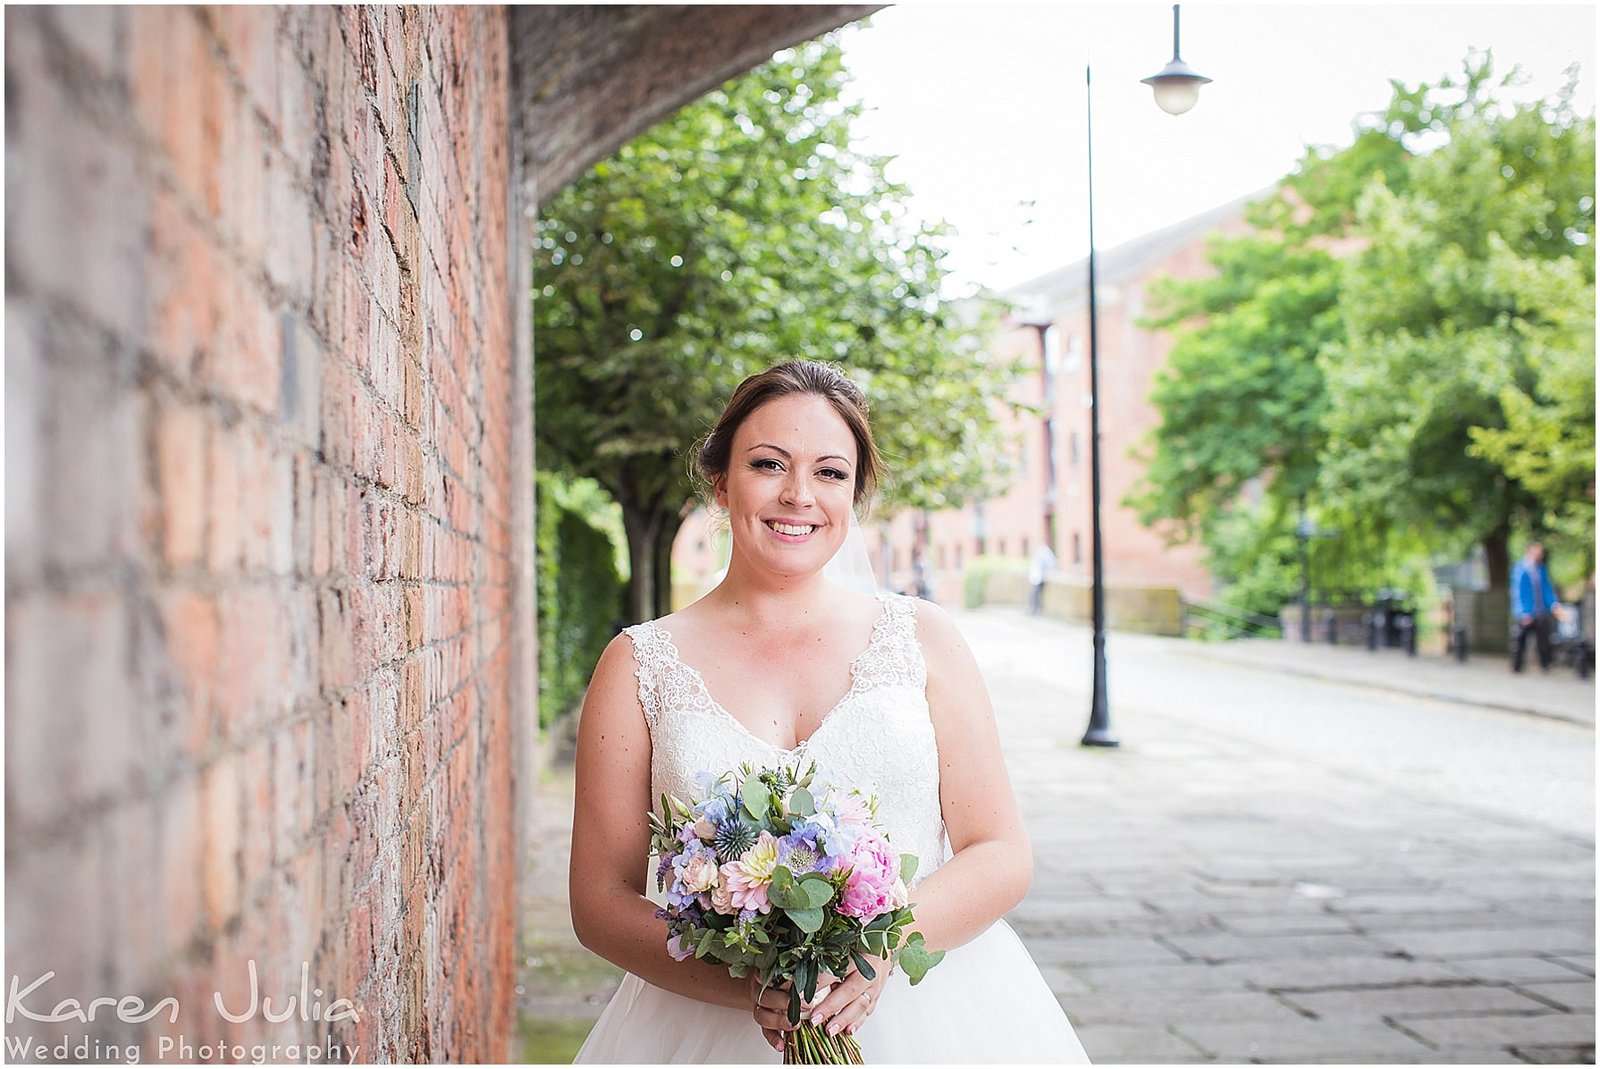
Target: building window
x,y
1072,449
1024,545
941,558
958,554
1077,548
1002,547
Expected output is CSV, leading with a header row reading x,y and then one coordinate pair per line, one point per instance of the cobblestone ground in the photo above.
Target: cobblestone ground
x,y
1273,867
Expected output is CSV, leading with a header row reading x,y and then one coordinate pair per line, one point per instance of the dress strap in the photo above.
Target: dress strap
x,y
894,656
655,653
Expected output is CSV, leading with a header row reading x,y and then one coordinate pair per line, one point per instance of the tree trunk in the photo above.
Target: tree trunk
x,y
1497,555
666,535
650,536
643,527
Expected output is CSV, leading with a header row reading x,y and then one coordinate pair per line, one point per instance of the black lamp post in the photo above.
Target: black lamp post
x,y
1176,88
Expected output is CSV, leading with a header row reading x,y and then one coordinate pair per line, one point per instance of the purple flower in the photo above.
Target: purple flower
x,y
799,853
680,948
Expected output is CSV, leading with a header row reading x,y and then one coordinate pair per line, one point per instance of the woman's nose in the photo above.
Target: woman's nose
x,y
797,489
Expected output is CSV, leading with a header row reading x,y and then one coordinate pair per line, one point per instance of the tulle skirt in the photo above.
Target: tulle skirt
x,y
985,1002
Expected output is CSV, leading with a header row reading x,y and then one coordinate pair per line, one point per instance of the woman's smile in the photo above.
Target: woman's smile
x,y
790,487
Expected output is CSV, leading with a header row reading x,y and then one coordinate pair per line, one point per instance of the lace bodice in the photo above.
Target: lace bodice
x,y
878,738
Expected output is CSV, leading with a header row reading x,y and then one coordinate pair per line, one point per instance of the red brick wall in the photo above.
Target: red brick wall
x,y
267,524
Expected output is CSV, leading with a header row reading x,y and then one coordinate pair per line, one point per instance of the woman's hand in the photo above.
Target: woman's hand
x,y
850,1001
771,1008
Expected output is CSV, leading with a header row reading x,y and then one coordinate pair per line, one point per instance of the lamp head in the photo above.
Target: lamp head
x,y
1177,87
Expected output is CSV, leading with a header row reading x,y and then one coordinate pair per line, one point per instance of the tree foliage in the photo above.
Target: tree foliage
x,y
1402,341
1475,280
743,231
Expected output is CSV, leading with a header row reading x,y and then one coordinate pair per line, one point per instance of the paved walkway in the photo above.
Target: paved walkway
x,y
1483,681
1238,882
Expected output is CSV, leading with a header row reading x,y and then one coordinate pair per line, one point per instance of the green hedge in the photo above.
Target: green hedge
x,y
975,578
580,597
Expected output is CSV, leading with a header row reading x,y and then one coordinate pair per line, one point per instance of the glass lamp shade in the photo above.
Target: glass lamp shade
x,y
1177,87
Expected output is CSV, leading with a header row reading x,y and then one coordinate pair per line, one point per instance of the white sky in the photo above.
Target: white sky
x,y
983,105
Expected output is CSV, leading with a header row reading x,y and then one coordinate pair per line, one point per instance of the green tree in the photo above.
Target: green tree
x,y
1375,346
1242,398
743,231
1475,286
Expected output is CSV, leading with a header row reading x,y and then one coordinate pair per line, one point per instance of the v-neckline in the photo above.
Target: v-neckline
x,y
800,745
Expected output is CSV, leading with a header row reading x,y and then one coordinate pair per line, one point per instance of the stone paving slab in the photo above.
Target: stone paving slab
x,y
1281,924
1416,1000
1320,975
1295,1040
1137,1008
1544,1030
1138,1044
1486,942
1573,996
1222,947
1577,1054
1522,969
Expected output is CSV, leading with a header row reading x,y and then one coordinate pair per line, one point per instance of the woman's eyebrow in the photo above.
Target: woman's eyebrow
x,y
787,455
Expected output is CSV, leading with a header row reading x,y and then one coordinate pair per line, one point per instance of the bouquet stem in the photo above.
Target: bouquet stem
x,y
811,1045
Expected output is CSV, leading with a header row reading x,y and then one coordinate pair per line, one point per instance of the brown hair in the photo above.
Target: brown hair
x,y
816,377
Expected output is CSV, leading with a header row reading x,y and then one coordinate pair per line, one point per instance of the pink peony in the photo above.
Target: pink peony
x,y
869,890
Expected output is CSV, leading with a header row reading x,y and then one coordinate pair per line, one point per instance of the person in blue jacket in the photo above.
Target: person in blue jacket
x,y
1533,606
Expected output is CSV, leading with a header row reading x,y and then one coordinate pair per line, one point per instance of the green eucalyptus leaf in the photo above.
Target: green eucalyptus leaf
x,y
815,889
801,804
756,797
908,867
915,959
807,920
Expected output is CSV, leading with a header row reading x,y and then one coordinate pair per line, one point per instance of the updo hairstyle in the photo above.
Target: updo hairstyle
x,y
816,377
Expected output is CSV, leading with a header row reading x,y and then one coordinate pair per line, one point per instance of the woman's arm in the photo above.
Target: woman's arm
x,y
611,841
991,863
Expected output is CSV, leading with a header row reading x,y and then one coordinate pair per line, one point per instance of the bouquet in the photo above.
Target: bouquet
x,y
767,873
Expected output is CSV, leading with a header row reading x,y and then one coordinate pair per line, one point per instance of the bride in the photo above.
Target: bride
x,y
779,663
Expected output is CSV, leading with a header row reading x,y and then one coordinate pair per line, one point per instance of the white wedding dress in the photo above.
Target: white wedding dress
x,y
985,1002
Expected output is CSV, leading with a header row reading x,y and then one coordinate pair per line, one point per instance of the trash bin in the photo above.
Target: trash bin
x,y
1392,622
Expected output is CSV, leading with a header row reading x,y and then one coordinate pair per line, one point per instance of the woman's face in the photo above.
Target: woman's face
x,y
790,484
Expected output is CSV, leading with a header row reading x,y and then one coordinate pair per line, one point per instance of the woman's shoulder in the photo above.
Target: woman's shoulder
x,y
934,624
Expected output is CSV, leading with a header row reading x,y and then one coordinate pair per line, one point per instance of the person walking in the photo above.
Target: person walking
x,y
1044,562
1533,607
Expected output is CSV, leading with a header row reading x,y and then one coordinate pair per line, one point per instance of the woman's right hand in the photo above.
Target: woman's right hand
x,y
771,1008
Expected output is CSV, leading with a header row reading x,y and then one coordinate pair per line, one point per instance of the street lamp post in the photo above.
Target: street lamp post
x,y
1177,87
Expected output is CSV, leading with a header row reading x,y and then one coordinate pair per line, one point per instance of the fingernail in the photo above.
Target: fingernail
x,y
833,1028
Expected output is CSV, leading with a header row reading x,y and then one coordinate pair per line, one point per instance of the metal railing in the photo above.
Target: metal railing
x,y
1213,619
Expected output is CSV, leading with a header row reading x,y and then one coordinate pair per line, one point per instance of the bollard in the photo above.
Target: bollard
x,y
1458,643
1408,628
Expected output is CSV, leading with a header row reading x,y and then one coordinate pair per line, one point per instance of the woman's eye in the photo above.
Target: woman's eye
x,y
766,463
833,473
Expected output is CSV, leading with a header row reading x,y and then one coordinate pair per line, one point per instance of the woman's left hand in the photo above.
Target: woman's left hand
x,y
850,1001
